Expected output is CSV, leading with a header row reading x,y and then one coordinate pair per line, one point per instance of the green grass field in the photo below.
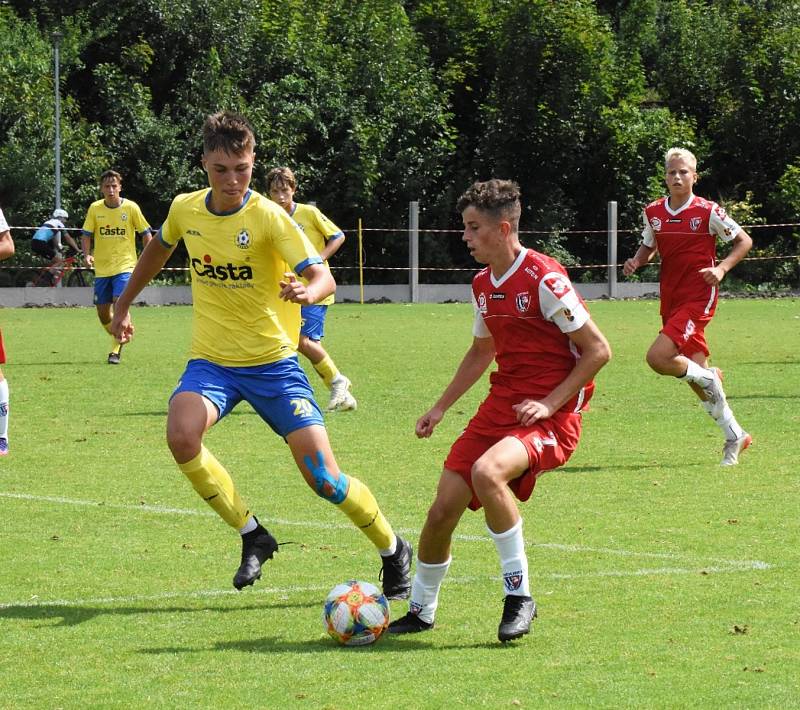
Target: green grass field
x,y
663,580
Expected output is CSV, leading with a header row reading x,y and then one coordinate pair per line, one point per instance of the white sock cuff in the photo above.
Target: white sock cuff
x,y
432,567
513,530
3,390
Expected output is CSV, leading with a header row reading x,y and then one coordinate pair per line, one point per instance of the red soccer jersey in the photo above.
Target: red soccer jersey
x,y
686,239
528,312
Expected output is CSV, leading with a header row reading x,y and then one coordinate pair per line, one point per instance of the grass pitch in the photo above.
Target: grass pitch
x,y
663,580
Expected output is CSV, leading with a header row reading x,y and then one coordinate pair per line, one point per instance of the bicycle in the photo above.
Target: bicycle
x,y
70,269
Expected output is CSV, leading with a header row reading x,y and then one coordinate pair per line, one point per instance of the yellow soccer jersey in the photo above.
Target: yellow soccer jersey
x,y
319,230
236,261
114,231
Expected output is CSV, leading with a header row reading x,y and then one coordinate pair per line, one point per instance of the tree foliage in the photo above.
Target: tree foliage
x,y
379,102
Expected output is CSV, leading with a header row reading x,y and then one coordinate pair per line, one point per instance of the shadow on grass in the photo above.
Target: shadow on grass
x,y
268,644
74,615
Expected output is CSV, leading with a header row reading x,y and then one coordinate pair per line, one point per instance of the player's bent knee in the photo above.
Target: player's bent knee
x,y
325,484
486,475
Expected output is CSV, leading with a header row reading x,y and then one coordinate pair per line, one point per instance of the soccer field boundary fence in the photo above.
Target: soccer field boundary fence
x,y
404,270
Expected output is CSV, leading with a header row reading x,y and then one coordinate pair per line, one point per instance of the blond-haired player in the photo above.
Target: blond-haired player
x,y
684,229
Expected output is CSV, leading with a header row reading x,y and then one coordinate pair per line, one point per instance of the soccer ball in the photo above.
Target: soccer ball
x,y
355,613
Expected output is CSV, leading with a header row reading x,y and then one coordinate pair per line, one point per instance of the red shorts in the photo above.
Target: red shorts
x,y
2,350
684,326
549,443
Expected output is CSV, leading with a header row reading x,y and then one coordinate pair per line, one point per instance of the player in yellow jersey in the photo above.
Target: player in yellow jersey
x,y
326,238
243,249
113,223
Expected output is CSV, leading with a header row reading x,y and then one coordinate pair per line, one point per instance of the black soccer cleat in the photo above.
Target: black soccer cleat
x,y
409,624
518,613
396,573
258,546
113,358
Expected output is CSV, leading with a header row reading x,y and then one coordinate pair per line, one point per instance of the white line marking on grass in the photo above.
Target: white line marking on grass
x,y
714,565
729,567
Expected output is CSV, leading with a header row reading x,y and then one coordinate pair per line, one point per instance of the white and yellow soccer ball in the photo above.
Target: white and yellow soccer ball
x,y
356,613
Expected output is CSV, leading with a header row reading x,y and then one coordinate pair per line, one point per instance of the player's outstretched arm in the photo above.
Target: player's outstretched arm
x,y
473,365
151,261
595,353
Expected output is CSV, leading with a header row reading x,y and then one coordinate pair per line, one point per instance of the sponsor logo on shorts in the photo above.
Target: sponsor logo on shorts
x,y
689,330
694,223
512,581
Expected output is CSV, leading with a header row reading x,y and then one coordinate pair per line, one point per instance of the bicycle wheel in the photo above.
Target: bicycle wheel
x,y
80,277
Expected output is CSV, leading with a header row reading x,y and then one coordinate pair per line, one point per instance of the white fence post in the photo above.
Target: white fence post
x,y
413,251
612,250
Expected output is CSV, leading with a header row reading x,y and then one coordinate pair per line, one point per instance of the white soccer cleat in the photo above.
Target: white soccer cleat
x,y
734,447
715,393
341,400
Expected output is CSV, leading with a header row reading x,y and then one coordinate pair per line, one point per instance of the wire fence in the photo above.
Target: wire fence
x,y
377,255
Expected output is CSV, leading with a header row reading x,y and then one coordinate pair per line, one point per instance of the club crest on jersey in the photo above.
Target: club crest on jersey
x,y
482,303
512,581
523,302
655,223
243,239
124,217
694,223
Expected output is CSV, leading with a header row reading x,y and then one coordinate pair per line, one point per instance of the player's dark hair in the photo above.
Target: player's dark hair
x,y
109,175
280,177
500,198
229,132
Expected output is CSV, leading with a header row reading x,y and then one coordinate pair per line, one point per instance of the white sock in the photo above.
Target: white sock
x,y
699,375
513,560
425,589
389,551
726,421
249,526
4,409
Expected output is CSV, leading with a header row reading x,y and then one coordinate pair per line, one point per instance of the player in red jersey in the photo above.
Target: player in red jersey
x,y
530,320
6,251
683,229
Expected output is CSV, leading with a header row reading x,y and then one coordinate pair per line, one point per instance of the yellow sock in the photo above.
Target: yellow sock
x,y
116,347
327,370
210,479
362,508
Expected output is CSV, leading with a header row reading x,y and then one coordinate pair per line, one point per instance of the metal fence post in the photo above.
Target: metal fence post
x,y
612,250
413,251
